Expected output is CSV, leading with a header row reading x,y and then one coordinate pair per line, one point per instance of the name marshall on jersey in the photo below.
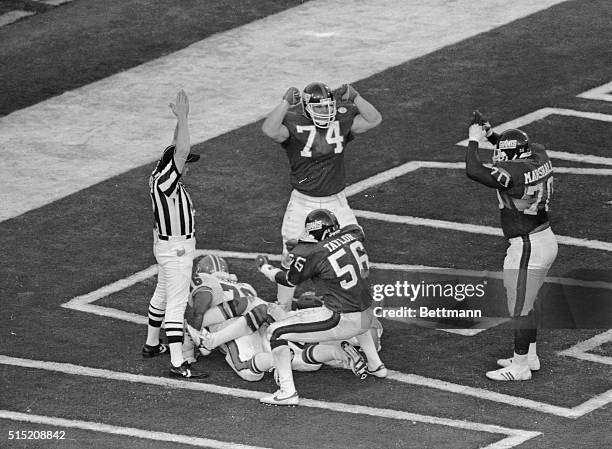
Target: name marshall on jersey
x,y
538,173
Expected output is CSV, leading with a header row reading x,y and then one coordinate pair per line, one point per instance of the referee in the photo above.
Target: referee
x,y
174,245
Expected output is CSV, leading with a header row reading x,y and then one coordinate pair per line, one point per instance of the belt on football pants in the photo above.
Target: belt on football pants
x,y
168,237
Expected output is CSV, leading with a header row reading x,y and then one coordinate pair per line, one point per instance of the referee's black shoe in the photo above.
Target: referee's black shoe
x,y
153,351
186,371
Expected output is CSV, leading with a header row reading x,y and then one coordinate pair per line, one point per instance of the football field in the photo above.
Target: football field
x,y
84,115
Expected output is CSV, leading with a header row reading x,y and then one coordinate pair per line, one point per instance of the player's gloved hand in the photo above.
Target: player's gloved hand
x,y
476,132
292,96
261,260
482,121
290,244
346,92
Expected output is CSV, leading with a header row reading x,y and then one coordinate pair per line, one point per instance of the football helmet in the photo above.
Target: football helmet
x,y
512,143
320,224
211,263
319,104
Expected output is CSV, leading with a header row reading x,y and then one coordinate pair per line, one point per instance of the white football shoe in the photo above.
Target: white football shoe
x,y
510,373
533,363
356,362
199,339
281,397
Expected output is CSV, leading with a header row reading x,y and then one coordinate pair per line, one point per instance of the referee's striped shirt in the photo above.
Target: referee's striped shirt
x,y
172,206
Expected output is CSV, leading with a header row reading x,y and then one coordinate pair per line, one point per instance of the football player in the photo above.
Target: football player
x,y
522,176
336,261
314,128
236,318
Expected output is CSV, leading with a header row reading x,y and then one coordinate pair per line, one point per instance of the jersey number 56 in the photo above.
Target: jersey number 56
x,y
360,257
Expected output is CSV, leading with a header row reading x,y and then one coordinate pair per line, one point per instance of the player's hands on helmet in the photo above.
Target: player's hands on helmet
x,y
346,92
180,107
292,96
261,261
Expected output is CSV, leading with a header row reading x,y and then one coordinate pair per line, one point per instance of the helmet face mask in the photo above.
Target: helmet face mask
x,y
321,224
512,143
319,104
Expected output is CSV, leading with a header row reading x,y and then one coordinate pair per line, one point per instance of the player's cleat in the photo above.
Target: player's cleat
x,y
533,363
357,363
202,340
509,374
281,398
380,372
186,371
153,351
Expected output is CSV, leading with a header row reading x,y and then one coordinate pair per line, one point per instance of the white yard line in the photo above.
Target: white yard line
x,y
545,112
123,121
603,93
514,436
116,430
581,350
13,16
474,229
83,303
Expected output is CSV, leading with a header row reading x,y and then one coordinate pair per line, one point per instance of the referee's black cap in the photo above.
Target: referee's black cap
x,y
192,157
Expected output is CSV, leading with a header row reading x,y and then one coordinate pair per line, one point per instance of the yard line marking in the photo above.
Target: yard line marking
x,y
581,350
565,412
543,113
474,229
603,93
382,177
84,302
125,431
13,16
129,109
515,436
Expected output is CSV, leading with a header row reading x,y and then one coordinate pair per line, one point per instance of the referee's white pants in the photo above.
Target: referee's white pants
x,y
175,260
319,324
527,262
300,205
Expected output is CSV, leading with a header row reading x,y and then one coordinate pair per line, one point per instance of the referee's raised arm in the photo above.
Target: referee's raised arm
x,y
181,139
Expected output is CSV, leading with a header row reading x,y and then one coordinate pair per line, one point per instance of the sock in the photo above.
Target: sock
x,y
369,349
152,335
176,353
532,353
237,328
519,361
282,362
285,296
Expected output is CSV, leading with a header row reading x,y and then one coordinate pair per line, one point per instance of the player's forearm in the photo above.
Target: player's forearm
x,y
272,125
493,137
275,275
369,113
474,167
182,144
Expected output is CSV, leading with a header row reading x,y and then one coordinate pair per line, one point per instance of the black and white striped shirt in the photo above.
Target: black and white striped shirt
x,y
172,206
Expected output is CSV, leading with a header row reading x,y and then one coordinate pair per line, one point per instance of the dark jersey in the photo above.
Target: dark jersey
x,y
316,155
525,189
338,267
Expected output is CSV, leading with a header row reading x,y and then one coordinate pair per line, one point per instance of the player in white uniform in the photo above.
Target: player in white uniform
x,y
227,314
